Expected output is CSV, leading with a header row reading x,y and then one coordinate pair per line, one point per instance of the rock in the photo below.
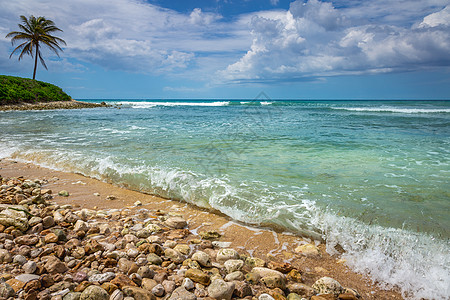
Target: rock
x,y
51,238
347,296
263,272
153,228
294,296
283,267
265,297
294,275
176,222
80,225
210,235
146,272
323,297
202,258
252,278
15,284
327,285
122,280
158,290
255,262
29,267
237,275
154,259
19,259
138,203
101,278
198,276
188,284
63,193
54,265
48,221
309,250
16,216
6,291
169,286
72,296
301,289
173,255
94,292
242,289
5,257
116,295
183,249
34,221
219,244
182,293
273,282
148,283
80,276
137,293
27,277
220,289
232,265
225,254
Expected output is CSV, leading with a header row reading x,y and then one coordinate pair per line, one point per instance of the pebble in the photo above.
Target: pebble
x,y
112,254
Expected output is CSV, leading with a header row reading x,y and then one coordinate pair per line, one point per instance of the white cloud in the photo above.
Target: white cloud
x,y
315,39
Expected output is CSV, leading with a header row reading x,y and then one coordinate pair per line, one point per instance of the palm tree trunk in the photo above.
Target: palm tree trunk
x,y
35,61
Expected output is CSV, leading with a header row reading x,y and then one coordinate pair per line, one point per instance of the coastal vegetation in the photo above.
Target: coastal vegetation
x,y
16,90
35,32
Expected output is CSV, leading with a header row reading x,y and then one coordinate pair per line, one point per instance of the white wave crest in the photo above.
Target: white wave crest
x,y
395,110
150,104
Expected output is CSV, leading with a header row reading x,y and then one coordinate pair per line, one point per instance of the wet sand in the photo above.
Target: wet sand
x,y
264,243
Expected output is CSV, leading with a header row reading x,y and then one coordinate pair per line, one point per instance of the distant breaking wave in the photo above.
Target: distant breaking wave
x,y
145,104
395,110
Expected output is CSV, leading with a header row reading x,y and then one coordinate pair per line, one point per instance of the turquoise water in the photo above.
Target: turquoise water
x,y
371,176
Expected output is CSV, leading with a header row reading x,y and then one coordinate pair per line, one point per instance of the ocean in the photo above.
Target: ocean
x,y
369,176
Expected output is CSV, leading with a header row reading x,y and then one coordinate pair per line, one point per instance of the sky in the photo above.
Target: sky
x,y
236,49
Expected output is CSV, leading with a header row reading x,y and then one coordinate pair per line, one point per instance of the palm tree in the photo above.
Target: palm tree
x,y
35,32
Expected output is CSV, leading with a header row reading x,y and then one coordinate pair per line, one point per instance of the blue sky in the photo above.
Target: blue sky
x,y
222,49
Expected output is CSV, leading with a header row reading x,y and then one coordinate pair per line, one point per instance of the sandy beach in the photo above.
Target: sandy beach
x,y
264,243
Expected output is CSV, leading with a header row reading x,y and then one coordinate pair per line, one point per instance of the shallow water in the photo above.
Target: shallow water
x,y
371,176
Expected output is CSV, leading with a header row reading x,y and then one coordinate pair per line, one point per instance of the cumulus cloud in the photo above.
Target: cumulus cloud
x,y
130,35
314,39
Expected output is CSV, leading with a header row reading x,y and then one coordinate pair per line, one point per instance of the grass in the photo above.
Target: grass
x,y
14,90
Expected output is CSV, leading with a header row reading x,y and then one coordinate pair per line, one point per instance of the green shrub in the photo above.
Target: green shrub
x,y
15,89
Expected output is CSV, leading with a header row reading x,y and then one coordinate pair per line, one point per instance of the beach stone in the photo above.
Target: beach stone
x,y
34,221
327,285
80,276
173,255
263,272
116,295
146,272
176,222
252,278
15,284
63,193
72,296
94,292
188,284
29,267
148,283
347,296
16,216
323,297
294,296
220,289
54,265
255,262
183,249
210,235
235,276
283,267
154,259
169,286
80,225
158,290
308,250
122,280
294,275
101,278
48,221
301,289
153,228
27,277
232,265
265,297
273,282
242,289
226,254
19,259
5,257
137,293
202,258
198,276
6,291
51,238
182,293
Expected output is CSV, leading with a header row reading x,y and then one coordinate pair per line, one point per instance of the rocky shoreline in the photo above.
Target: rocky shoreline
x,y
51,105
51,251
